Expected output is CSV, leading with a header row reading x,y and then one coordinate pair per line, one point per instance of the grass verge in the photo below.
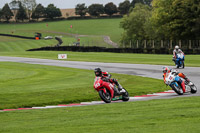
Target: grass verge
x,y
154,59
26,85
155,116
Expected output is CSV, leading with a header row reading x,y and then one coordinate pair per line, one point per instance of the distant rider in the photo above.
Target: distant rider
x,y
107,78
167,70
176,51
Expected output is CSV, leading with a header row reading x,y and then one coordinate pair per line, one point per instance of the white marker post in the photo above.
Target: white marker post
x,y
62,56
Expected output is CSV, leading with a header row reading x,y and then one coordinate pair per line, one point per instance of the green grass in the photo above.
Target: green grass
x,y
10,44
26,85
108,27
179,115
19,45
190,60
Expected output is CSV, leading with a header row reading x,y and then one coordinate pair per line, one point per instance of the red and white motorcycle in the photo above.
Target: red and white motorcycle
x,y
109,91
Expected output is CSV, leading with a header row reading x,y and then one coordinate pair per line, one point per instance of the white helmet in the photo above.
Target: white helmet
x,y
166,69
176,47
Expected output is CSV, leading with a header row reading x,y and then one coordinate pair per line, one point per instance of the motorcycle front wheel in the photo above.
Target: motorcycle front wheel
x,y
183,64
177,89
125,96
193,89
106,97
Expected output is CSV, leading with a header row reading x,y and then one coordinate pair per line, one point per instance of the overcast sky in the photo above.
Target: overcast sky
x,y
63,4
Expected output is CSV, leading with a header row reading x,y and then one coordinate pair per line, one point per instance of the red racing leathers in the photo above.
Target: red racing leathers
x,y
107,78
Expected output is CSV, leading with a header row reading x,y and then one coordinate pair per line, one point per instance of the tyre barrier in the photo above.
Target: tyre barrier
x,y
17,36
114,50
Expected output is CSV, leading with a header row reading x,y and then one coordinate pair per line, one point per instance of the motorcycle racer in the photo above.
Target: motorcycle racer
x,y
167,70
176,51
105,76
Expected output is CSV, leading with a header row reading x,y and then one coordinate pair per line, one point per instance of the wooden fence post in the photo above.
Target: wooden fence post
x,y
199,44
145,43
171,44
190,44
179,43
161,43
153,44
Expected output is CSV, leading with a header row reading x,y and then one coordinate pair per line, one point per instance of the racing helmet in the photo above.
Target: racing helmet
x,y
166,69
98,71
176,47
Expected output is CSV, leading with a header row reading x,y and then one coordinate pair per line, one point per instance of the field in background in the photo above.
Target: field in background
x,y
26,85
99,27
11,44
154,116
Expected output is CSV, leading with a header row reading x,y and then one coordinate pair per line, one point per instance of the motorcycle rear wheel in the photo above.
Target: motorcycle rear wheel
x,y
125,96
106,97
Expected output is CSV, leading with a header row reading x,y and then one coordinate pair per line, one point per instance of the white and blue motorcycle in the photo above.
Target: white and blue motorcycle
x,y
174,81
179,60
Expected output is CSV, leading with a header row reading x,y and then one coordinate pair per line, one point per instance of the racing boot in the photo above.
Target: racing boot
x,y
121,90
188,82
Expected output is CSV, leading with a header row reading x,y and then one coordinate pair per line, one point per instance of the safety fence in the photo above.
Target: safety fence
x,y
157,44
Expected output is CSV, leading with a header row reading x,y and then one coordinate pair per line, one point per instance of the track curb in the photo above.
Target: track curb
x,y
169,92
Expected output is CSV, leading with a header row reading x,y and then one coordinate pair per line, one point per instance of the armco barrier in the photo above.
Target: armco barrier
x,y
24,37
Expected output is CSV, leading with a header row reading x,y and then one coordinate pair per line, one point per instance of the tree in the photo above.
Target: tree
x,y
146,2
52,12
14,5
29,6
176,19
184,17
124,7
81,9
21,14
1,14
110,9
96,9
6,12
39,12
161,17
135,2
134,24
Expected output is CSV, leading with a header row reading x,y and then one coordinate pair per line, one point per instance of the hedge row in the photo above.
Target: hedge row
x,y
114,50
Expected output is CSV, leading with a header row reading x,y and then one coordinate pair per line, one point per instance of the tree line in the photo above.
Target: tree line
x,y
163,20
29,9
110,8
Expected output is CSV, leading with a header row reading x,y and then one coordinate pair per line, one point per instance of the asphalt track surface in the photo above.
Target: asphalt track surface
x,y
152,71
